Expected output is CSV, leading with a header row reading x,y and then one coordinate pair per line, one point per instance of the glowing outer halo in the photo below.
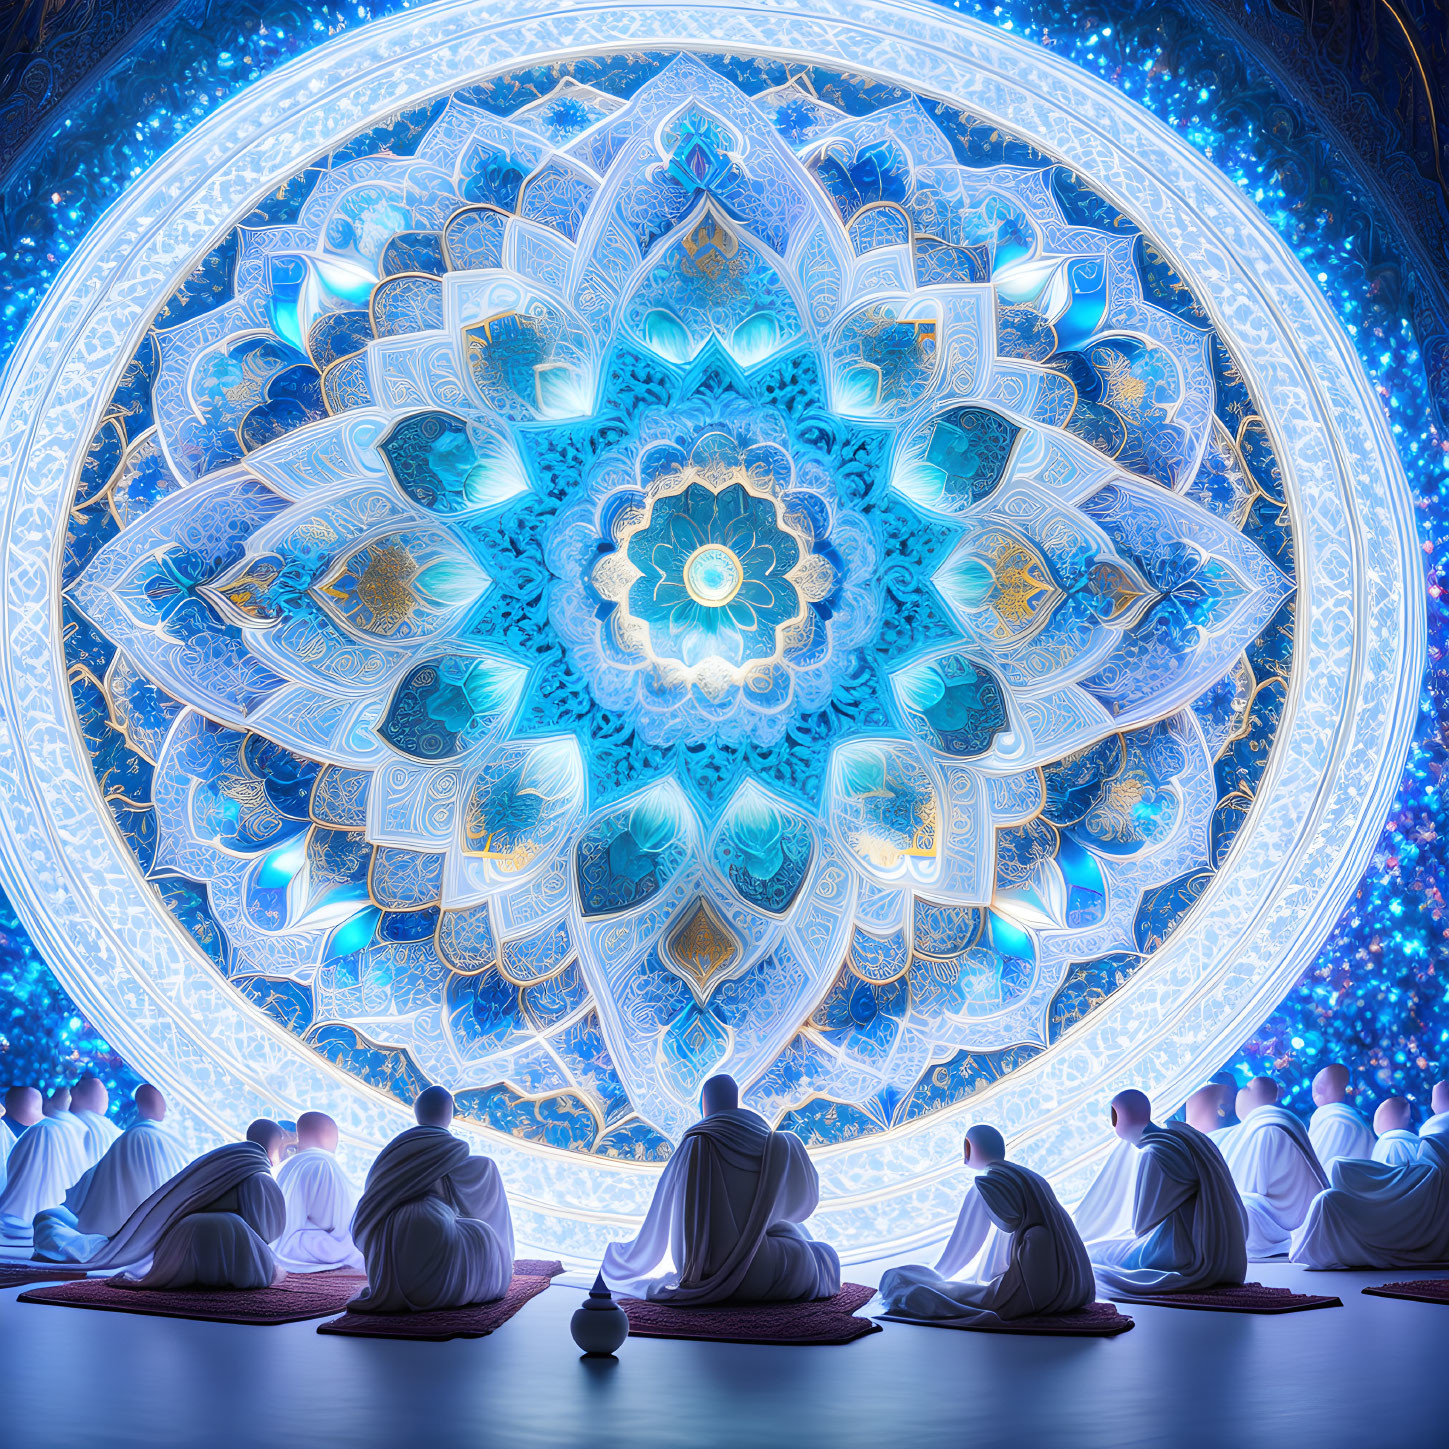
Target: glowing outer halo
x,y
1351,704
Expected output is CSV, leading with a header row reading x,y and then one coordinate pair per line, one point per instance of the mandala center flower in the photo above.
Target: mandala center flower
x,y
713,575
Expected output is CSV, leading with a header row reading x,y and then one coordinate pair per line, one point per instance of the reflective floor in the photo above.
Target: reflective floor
x,y
1371,1372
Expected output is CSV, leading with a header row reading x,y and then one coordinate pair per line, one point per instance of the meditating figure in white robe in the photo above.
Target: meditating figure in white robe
x,y
433,1223
1274,1166
89,1103
22,1110
1439,1106
726,1221
41,1168
1185,1229
210,1225
1335,1129
143,1157
1397,1143
320,1202
1045,1268
1377,1216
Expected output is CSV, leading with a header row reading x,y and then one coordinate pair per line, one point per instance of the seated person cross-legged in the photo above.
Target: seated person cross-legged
x,y
143,1157
48,1159
728,1212
1033,1263
1169,1221
320,1201
210,1225
1274,1166
432,1224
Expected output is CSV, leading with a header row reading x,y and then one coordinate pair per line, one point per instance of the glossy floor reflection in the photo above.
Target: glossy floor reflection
x,y
1371,1372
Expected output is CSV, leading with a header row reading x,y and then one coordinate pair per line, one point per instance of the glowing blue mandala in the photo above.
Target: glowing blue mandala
x,y
669,572
547,557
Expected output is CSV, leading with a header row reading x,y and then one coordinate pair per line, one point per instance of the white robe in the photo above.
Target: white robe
x,y
1277,1174
209,1226
100,1132
433,1226
1377,1216
143,1157
727,1212
1396,1147
1439,1122
8,1138
42,1166
1046,1272
320,1201
1187,1228
1336,1130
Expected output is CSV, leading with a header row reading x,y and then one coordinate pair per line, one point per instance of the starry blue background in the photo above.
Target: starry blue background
x,y
1377,997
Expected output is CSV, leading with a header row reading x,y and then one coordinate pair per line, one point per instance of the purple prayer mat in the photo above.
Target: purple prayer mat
x,y
530,1277
296,1297
1094,1320
27,1271
824,1320
1419,1290
1239,1298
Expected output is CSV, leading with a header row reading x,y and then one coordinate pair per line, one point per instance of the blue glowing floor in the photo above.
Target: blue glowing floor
x,y
1371,1372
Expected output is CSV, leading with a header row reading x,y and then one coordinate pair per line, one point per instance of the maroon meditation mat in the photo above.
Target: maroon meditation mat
x,y
825,1320
1419,1290
297,1296
530,1277
1095,1320
28,1271
1239,1298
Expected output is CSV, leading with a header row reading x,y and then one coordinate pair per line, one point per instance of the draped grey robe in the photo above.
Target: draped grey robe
x,y
433,1226
728,1210
138,1162
1188,1227
1046,1269
208,1227
1377,1216
1277,1173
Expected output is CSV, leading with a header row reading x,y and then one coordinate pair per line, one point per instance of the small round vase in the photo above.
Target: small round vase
x,y
600,1326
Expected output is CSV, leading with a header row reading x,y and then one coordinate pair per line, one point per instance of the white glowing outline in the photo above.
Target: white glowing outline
x,y
1347,723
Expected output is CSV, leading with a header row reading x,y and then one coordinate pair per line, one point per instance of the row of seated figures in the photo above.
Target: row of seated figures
x,y
1178,1207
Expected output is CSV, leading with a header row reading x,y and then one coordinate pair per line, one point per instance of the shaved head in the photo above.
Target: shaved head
x,y
57,1102
1227,1084
1330,1085
984,1145
1204,1108
1392,1115
1243,1103
1262,1092
316,1129
434,1107
22,1104
1439,1098
90,1095
1131,1113
150,1104
270,1136
720,1094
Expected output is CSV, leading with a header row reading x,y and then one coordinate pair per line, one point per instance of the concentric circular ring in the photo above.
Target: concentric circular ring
x,y
1347,715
